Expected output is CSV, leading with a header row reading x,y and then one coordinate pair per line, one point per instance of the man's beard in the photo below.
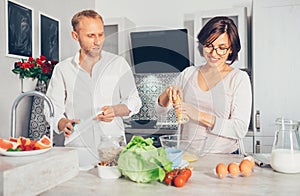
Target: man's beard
x,y
96,52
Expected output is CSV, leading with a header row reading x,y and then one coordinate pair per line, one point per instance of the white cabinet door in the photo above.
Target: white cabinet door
x,y
248,144
263,144
276,64
116,31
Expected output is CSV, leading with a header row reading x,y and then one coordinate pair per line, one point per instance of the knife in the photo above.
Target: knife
x,y
80,128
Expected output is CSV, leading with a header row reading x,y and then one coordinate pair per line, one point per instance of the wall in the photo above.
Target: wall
x,y
157,14
63,10
166,13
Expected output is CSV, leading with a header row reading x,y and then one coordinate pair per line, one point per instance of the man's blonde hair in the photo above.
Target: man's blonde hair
x,y
85,13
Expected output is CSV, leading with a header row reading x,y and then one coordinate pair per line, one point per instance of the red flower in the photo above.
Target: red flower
x,y
25,65
43,58
39,68
39,61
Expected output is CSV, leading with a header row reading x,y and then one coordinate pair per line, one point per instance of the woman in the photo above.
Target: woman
x,y
216,97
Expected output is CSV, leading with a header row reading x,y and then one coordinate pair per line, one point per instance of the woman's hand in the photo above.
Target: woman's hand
x,y
67,126
175,91
190,110
169,94
196,115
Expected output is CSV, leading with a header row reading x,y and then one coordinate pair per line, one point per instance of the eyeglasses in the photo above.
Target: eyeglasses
x,y
220,51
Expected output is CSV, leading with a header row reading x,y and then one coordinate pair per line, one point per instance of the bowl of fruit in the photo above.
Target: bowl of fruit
x,y
23,146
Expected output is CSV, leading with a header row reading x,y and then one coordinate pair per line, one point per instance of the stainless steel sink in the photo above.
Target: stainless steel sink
x,y
19,98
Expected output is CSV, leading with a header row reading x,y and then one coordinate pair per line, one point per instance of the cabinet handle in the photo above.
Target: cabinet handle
x,y
257,147
257,121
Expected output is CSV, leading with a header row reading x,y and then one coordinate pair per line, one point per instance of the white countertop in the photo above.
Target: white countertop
x,y
31,175
263,181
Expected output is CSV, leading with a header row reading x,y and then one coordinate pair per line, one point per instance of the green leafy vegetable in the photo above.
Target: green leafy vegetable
x,y
14,150
140,161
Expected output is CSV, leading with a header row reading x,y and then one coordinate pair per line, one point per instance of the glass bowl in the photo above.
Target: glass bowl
x,y
192,148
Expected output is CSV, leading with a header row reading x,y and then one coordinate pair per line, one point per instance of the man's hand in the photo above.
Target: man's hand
x,y
66,126
107,115
110,112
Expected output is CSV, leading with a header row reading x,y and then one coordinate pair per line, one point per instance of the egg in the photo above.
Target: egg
x,y
221,170
233,169
251,159
245,167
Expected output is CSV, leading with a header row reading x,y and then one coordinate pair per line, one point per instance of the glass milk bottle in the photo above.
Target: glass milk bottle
x,y
285,155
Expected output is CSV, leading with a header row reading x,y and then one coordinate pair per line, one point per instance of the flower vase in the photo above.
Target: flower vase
x,y
28,84
41,86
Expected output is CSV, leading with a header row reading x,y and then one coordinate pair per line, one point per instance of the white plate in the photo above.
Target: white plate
x,y
23,153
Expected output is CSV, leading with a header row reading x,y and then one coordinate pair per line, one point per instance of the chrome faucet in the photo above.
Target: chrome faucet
x,y
18,99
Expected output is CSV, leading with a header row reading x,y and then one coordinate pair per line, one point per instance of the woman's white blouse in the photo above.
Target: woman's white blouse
x,y
230,101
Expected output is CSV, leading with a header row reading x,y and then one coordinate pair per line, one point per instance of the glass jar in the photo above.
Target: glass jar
x,y
109,149
285,156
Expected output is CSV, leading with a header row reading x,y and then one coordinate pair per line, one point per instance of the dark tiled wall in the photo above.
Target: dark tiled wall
x,y
150,86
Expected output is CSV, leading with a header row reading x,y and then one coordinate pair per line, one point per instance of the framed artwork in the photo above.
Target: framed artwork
x,y
49,37
239,16
19,30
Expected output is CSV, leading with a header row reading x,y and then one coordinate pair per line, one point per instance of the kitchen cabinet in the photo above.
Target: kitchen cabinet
x,y
276,67
116,31
248,143
263,144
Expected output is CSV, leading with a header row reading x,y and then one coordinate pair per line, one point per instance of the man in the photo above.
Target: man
x,y
93,83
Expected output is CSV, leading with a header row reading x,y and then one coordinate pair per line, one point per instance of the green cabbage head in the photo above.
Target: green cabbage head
x,y
141,162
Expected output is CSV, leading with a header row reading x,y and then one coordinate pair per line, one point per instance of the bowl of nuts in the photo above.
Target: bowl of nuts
x,y
109,150
108,172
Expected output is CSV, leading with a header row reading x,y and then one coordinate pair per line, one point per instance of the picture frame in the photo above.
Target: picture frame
x,y
19,30
49,37
239,16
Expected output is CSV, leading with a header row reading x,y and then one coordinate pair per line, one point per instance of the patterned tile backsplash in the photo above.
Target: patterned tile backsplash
x,y
150,86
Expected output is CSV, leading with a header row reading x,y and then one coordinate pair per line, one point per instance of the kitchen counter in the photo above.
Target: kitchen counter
x,y
263,181
31,175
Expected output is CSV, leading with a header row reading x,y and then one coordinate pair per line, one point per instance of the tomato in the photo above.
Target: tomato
x,y
168,179
28,148
170,176
189,172
179,180
186,174
178,177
